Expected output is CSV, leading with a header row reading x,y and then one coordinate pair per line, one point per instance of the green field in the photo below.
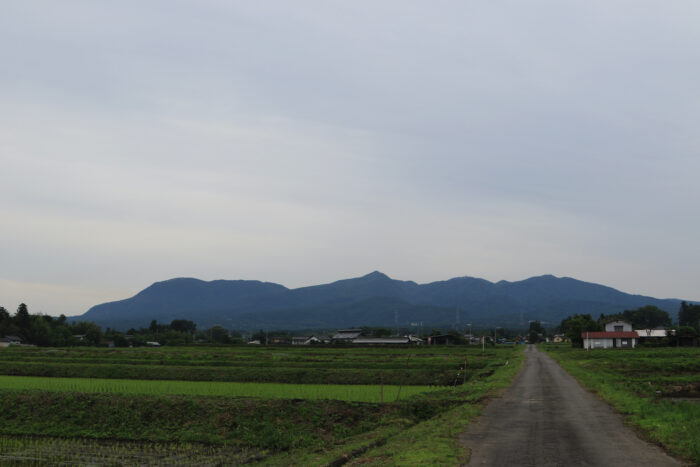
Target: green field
x,y
657,389
357,393
329,365
262,405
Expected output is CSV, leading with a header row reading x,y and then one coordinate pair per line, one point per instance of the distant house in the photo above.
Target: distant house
x,y
306,340
10,340
472,339
652,335
153,344
400,340
558,338
254,342
658,333
415,340
346,336
618,326
442,339
617,335
279,340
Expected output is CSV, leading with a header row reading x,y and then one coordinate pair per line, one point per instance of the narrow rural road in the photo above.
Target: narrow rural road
x,y
547,419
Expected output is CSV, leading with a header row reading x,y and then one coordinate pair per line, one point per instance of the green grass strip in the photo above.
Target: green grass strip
x,y
354,393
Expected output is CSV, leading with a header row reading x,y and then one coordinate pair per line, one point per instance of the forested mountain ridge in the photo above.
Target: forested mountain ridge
x,y
371,300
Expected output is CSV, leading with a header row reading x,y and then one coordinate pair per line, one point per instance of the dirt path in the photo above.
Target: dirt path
x,y
547,419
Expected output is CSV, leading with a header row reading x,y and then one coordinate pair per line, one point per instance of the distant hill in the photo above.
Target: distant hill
x,y
371,300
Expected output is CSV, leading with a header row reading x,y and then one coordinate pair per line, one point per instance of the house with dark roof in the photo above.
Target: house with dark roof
x,y
10,340
307,340
346,336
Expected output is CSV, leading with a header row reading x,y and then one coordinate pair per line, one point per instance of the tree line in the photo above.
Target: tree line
x,y
48,331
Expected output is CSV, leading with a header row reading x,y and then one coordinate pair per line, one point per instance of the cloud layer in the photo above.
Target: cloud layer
x,y
310,141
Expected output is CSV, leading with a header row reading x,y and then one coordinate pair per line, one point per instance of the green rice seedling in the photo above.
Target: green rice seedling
x,y
357,393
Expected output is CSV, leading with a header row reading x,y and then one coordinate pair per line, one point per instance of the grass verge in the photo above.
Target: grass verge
x,y
674,425
435,441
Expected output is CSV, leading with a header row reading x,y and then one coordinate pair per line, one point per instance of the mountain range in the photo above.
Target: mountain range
x,y
371,300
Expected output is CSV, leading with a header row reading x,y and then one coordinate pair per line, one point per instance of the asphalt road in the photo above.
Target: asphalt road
x,y
547,419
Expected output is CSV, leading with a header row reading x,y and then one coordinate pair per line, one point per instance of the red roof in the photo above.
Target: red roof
x,y
610,335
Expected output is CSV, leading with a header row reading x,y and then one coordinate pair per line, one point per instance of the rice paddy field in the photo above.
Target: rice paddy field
x,y
234,405
345,392
657,389
296,365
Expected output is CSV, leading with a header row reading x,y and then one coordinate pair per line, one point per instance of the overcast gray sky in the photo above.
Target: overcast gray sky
x,y
308,141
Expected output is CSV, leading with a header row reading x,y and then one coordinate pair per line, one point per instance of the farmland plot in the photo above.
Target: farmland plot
x,y
248,421
356,393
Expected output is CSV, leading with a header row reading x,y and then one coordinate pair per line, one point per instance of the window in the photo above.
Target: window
x,y
619,328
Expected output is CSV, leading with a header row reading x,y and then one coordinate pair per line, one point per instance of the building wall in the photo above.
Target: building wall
x,y
629,344
606,343
626,327
597,343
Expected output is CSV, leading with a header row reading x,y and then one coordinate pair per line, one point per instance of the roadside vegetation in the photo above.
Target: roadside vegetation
x,y
656,389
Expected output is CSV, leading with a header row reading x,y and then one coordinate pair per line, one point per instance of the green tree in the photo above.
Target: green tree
x,y
574,325
535,332
689,315
120,340
259,336
219,335
39,332
647,317
22,316
91,331
183,325
381,332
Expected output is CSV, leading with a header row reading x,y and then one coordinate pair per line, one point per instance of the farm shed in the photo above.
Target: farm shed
x,y
306,340
279,340
652,333
609,340
559,338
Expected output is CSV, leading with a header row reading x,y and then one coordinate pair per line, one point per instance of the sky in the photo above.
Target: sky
x,y
310,141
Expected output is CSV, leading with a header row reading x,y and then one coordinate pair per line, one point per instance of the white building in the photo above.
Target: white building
x,y
617,335
618,326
